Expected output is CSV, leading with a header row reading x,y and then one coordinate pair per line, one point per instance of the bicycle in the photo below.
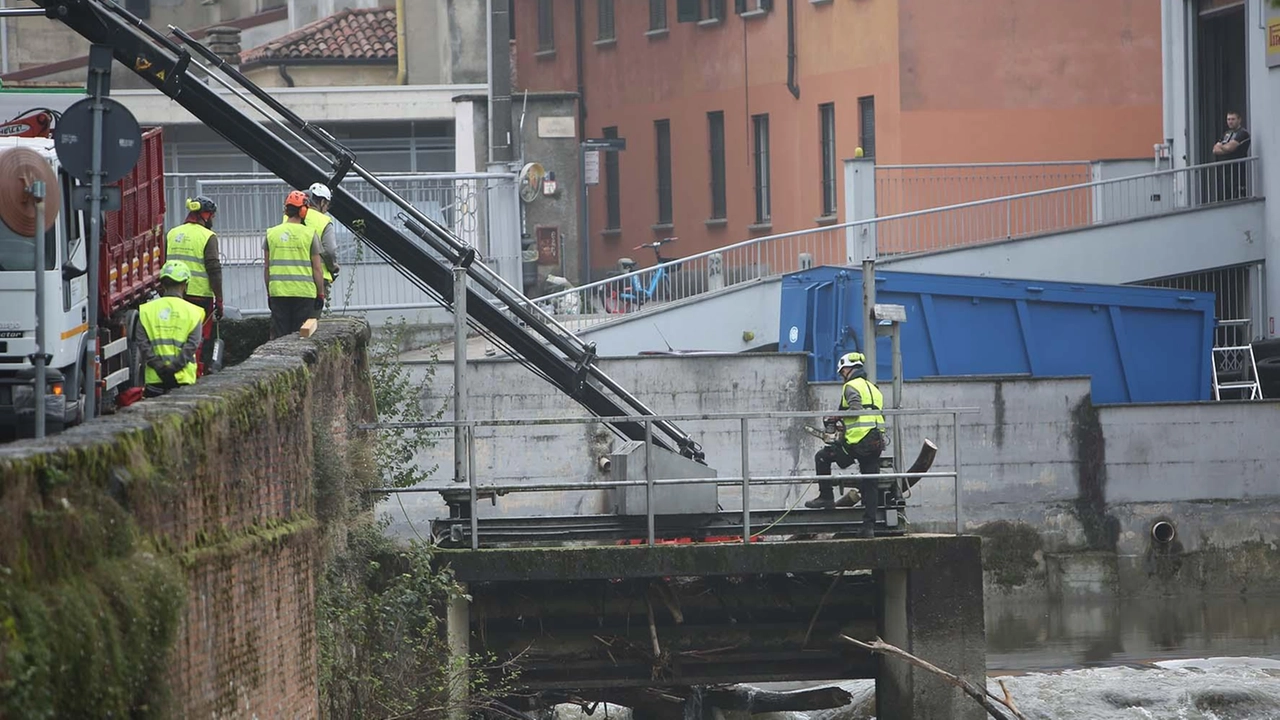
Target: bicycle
x,y
628,295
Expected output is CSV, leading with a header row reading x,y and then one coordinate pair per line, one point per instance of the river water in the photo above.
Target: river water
x,y
1216,658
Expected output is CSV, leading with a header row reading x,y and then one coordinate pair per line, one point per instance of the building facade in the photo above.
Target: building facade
x,y
738,113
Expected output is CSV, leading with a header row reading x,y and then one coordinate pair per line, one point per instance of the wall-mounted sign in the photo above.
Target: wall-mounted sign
x,y
557,126
548,244
591,167
1273,36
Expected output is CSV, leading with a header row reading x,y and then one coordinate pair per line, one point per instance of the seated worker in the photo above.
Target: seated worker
x,y
169,332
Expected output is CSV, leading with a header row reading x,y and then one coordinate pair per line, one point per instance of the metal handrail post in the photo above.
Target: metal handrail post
x,y
746,487
470,441
955,459
648,477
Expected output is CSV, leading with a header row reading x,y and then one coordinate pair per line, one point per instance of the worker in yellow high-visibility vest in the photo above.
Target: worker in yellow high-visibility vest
x,y
319,198
195,244
860,439
169,333
293,271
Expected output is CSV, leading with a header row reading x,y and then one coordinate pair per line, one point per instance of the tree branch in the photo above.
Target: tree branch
x,y
995,707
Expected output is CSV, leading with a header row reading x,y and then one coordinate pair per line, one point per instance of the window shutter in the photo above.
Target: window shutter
x,y
739,6
688,10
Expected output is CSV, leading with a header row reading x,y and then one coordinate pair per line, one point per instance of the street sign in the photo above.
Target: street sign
x,y
591,167
121,140
606,144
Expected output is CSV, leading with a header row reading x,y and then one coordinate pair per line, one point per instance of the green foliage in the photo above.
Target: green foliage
x,y
381,634
398,397
93,645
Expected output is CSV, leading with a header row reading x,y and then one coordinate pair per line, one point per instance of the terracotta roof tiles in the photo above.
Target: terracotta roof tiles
x,y
359,35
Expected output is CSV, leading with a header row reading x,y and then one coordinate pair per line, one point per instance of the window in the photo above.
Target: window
x,y
760,155
657,14
715,124
613,191
663,130
867,125
546,27
604,21
698,10
827,146
745,6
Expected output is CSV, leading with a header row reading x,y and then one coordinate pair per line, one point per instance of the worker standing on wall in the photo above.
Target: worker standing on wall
x,y
293,271
318,200
168,334
861,442
194,244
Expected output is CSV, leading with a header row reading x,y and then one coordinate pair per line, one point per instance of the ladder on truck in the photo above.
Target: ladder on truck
x,y
421,249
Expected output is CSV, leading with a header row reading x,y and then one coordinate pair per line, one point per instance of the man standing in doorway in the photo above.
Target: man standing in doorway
x,y
1234,145
293,271
862,441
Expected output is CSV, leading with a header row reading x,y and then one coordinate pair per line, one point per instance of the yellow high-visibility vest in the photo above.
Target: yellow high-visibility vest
x,y
169,321
186,243
856,427
289,261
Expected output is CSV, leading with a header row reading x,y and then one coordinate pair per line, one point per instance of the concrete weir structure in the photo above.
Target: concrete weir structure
x,y
603,621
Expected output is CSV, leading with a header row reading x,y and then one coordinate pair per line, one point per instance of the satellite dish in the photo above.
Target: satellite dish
x,y
531,176
121,140
19,167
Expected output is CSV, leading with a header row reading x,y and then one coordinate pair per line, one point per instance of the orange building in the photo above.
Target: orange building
x,y
738,113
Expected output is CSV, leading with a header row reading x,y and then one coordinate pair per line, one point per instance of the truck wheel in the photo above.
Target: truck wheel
x,y
134,357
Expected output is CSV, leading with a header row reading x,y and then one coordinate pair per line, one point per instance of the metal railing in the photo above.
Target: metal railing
x,y
249,204
905,188
978,222
745,481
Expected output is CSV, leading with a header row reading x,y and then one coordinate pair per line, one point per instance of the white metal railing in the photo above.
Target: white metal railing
x,y
971,223
249,204
746,480
904,188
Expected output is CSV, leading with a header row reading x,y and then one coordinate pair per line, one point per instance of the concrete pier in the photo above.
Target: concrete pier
x,y
601,620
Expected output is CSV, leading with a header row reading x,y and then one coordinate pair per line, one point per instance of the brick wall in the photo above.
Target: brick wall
x,y
222,480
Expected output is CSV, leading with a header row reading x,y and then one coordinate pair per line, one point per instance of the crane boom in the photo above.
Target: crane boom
x,y
507,316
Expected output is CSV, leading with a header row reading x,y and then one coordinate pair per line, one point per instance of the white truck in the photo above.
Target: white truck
x,y
132,252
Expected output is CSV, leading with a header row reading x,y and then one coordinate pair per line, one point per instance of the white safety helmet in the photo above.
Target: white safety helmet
x,y
850,360
320,190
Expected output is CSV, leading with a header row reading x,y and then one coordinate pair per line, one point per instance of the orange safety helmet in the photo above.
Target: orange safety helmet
x,y
297,199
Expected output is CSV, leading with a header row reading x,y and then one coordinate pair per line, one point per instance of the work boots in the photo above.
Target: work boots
x,y
826,497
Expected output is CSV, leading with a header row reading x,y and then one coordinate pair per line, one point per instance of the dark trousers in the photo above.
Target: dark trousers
x,y
867,454
288,314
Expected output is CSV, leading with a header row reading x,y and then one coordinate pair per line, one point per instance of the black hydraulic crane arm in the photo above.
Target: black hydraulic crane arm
x,y
509,318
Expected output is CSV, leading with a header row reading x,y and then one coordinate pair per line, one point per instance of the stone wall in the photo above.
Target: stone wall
x,y
214,496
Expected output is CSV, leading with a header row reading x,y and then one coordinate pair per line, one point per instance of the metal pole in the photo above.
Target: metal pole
x,y
955,459
37,358
869,317
582,213
460,372
896,340
648,476
470,436
97,81
746,487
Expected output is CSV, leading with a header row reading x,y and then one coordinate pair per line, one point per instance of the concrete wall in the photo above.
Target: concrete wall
x,y
445,42
557,154
1064,492
217,483
325,76
1172,244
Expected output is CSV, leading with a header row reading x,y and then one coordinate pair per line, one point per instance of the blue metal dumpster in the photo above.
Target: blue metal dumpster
x,y
1138,344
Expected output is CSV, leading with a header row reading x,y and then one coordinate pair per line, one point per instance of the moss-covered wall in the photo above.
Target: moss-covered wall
x,y
162,562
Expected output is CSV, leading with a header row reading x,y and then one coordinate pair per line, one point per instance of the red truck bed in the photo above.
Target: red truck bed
x,y
133,249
